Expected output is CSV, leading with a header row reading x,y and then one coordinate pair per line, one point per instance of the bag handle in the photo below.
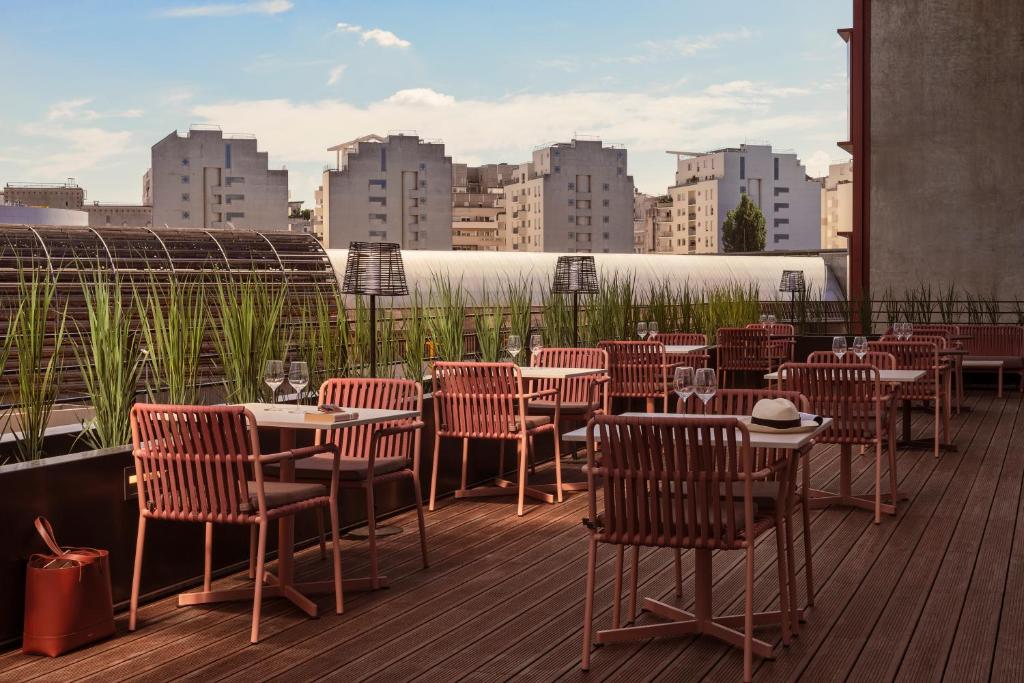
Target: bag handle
x,y
46,531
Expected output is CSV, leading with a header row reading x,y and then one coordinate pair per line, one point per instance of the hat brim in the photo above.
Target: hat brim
x,y
805,426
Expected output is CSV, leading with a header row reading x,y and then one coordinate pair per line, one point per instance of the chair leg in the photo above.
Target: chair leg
x,y
433,473
748,619
140,541
523,455
257,598
465,463
893,475
634,579
783,566
419,517
208,559
617,598
320,532
679,572
252,551
938,422
558,465
805,498
878,482
371,537
588,604
339,601
533,463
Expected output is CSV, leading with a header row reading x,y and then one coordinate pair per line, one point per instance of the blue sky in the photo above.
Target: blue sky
x,y
90,85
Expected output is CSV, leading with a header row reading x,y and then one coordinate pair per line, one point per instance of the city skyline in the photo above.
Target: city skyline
x,y
304,75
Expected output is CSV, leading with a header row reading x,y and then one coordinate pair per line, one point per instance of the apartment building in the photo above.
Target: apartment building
x,y
120,215
205,179
710,184
572,197
66,195
478,206
396,188
837,205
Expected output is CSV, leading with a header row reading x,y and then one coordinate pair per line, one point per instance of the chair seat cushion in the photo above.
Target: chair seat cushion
x,y
1009,362
534,421
349,468
280,493
567,408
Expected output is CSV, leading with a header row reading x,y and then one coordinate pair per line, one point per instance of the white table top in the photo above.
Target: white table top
x,y
531,372
983,363
888,376
685,348
292,416
793,440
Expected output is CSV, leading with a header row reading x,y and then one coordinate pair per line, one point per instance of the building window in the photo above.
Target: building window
x,y
572,219
376,183
782,221
233,215
572,201
184,162
423,184
583,183
558,169
605,203
776,160
604,219
383,201
227,155
184,196
780,236
743,168
572,186
605,187
234,180
781,205
423,167
184,180
743,189
185,215
781,190
606,235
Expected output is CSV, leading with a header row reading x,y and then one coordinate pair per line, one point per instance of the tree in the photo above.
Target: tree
x,y
743,229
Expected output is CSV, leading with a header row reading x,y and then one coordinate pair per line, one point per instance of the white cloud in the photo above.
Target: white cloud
x,y
421,97
74,110
689,46
177,96
374,35
77,149
335,74
817,163
268,7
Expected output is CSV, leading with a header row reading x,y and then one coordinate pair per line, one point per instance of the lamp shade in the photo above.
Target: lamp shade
x,y
575,274
374,268
792,281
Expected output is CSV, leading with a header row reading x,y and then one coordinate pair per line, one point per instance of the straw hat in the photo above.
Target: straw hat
x,y
779,416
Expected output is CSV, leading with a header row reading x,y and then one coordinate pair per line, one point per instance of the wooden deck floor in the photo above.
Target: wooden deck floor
x,y
936,592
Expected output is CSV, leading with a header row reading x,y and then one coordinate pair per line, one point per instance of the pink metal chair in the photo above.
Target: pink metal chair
x,y
639,369
371,455
698,359
997,342
879,359
922,355
784,336
747,349
488,401
741,402
203,464
863,412
682,482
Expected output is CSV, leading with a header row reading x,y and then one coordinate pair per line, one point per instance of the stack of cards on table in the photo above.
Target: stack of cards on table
x,y
329,414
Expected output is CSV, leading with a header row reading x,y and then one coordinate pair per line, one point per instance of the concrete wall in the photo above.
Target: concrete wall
x,y
947,121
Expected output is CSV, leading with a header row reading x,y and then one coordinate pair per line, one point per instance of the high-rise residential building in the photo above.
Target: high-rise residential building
x,y
387,189
646,212
710,184
205,179
837,205
120,215
478,206
572,197
66,195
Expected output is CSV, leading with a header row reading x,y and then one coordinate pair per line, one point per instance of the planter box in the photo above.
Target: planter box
x,y
87,498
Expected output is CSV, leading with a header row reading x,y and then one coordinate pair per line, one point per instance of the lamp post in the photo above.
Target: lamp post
x,y
792,282
575,275
374,269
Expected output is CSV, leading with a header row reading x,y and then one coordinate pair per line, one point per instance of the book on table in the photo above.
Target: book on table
x,y
330,415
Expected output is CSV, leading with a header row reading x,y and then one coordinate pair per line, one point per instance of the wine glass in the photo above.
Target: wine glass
x,y
771,319
898,330
652,330
641,330
704,385
763,319
909,329
514,346
273,377
536,344
298,378
839,347
683,382
860,347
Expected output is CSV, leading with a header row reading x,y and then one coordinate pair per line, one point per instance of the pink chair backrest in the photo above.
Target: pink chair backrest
x,y
774,329
743,348
482,400
879,359
192,462
683,339
636,368
571,389
914,355
386,394
668,481
994,340
846,392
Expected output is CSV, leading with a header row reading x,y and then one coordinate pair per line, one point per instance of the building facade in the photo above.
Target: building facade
x,y
710,184
572,197
387,189
478,206
67,195
205,179
120,215
837,205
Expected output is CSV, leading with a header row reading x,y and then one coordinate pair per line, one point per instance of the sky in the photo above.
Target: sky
x,y
90,85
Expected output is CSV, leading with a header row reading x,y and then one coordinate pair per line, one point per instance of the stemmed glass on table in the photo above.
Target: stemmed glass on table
x,y
652,330
514,346
641,330
860,347
683,382
705,383
536,345
273,377
298,378
839,347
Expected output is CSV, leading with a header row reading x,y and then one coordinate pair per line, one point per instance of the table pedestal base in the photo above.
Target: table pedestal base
x,y
504,487
381,530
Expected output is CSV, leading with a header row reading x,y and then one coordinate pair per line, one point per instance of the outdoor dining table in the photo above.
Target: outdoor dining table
x,y
957,355
793,441
682,349
532,372
289,419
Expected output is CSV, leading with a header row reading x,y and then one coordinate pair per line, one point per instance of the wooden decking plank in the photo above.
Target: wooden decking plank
x,y
1008,662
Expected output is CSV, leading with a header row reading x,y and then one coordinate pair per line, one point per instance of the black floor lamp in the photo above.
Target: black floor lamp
x,y
576,275
792,282
374,269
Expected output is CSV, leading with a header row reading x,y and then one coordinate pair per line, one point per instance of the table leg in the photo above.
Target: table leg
x,y
286,525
